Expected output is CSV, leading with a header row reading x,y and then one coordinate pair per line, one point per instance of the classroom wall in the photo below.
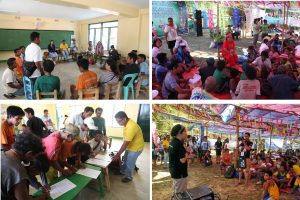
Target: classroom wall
x,y
132,111
26,22
133,33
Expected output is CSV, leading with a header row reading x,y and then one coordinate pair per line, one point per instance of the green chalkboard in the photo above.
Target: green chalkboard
x,y
14,38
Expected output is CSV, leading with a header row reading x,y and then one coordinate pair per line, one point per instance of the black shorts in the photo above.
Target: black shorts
x,y
171,44
218,152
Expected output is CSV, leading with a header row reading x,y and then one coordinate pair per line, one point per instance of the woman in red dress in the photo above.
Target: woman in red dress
x,y
228,51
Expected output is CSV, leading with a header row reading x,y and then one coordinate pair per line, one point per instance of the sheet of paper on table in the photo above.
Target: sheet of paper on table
x,y
105,157
61,188
89,173
98,162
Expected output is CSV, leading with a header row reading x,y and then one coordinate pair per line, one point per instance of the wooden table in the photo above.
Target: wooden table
x,y
103,161
80,181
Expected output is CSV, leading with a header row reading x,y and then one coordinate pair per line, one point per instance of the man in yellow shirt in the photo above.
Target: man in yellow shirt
x,y
166,144
64,50
133,145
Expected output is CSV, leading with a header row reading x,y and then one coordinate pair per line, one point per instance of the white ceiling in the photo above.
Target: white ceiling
x,y
135,3
41,9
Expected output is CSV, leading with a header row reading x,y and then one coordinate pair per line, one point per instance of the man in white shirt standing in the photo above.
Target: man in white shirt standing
x,y
33,54
171,34
78,119
47,120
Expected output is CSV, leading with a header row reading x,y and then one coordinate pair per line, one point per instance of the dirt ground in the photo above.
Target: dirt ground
x,y
210,176
200,46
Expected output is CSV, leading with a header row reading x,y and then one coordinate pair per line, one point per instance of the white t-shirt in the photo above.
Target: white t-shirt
x,y
182,43
33,53
9,76
247,89
263,47
297,48
172,32
93,145
258,63
155,52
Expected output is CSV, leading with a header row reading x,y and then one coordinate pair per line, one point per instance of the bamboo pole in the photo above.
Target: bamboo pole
x,y
237,120
270,140
258,140
218,28
282,34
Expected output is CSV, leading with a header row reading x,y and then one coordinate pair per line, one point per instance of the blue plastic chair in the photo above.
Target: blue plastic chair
x,y
130,85
28,88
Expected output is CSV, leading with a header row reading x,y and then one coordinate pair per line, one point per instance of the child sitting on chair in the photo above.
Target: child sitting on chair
x,y
12,86
19,61
48,82
144,67
86,80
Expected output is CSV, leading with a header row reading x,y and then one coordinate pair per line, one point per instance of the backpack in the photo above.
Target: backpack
x,y
229,172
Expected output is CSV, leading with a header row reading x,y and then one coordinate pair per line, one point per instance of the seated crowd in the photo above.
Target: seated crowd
x,y
36,151
44,82
277,172
270,72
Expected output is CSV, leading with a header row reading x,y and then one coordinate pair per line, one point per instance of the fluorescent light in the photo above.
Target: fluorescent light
x,y
8,11
105,11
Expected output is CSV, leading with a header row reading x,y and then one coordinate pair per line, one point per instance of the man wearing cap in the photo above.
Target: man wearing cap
x,y
99,123
52,144
133,145
79,118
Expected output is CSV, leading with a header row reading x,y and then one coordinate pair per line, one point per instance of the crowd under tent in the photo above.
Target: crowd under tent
x,y
272,126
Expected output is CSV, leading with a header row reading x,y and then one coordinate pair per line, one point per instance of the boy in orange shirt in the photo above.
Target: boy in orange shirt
x,y
19,61
15,115
86,80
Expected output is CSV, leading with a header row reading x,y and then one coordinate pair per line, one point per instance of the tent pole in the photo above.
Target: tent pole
x,y
270,140
218,21
258,140
282,50
237,136
218,28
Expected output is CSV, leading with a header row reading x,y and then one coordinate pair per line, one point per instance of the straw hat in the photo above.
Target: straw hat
x,y
72,129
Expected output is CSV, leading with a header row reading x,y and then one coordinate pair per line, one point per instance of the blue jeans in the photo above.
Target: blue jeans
x,y
129,161
65,54
19,92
